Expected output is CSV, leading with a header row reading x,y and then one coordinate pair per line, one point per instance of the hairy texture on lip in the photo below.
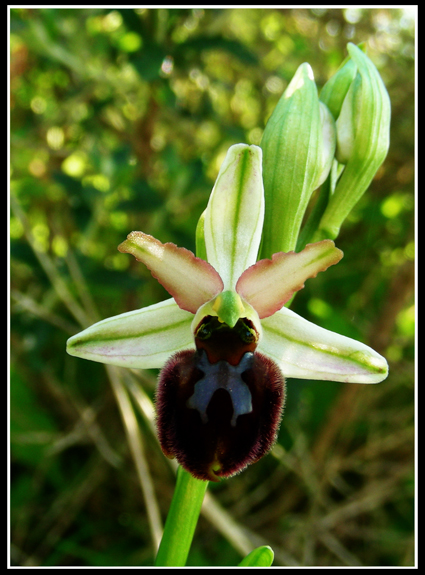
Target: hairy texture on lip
x,y
215,448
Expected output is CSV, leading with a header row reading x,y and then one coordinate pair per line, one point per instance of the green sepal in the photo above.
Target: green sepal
x,y
234,215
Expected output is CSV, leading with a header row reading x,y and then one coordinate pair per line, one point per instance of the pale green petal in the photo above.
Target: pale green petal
x,y
143,339
190,280
304,350
234,215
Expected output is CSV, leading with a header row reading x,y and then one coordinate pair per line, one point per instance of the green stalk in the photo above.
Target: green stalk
x,y
181,520
313,220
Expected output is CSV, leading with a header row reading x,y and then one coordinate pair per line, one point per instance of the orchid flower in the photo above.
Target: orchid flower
x,y
224,340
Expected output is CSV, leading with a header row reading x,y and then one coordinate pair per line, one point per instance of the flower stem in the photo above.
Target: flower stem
x,y
313,220
181,520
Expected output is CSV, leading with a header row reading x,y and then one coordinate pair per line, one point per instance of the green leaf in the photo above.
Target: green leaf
x,y
261,557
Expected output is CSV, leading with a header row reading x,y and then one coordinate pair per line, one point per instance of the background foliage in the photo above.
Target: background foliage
x,y
119,121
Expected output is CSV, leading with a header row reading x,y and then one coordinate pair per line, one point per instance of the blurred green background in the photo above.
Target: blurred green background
x,y
120,120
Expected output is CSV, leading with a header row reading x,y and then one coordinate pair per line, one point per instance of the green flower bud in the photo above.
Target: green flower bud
x,y
346,123
328,143
295,160
334,91
363,127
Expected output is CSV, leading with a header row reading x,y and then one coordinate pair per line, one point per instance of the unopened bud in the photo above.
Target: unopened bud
x,y
334,91
328,143
295,160
362,141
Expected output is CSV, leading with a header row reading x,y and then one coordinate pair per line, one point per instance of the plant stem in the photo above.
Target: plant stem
x,y
181,520
313,220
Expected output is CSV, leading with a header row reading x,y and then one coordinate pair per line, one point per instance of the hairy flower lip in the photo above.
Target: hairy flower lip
x,y
214,449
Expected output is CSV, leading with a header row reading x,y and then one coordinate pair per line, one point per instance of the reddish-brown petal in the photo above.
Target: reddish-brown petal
x,y
190,280
269,284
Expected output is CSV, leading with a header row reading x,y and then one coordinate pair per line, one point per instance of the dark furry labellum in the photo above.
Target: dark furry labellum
x,y
219,407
